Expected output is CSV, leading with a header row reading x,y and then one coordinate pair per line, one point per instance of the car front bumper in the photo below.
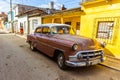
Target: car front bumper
x,y
86,58
86,63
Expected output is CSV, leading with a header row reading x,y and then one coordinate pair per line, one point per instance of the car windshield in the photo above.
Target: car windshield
x,y
60,30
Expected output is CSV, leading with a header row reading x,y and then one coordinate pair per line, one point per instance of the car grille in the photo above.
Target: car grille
x,y
90,54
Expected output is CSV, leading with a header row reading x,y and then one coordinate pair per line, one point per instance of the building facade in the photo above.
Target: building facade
x,y
71,17
27,17
21,19
101,20
3,20
34,18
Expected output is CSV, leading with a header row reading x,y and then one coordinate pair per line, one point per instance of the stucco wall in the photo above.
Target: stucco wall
x,y
23,19
102,9
31,30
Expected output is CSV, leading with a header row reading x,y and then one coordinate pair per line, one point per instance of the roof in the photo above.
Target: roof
x,y
78,9
3,14
69,10
53,24
24,8
33,12
27,7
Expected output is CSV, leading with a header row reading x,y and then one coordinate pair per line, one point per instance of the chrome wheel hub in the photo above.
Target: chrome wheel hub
x,y
60,60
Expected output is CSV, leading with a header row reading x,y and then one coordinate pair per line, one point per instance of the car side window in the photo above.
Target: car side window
x,y
39,30
46,30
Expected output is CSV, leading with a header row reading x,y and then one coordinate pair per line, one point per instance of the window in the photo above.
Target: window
x,y
105,29
34,23
77,28
15,11
39,30
46,30
24,25
69,23
77,25
21,28
21,25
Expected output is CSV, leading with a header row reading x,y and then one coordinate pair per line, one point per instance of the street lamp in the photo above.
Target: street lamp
x,y
11,21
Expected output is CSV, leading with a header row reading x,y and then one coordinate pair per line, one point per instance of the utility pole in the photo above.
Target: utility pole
x,y
11,22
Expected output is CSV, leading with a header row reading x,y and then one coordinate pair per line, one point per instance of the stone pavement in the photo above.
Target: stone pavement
x,y
111,62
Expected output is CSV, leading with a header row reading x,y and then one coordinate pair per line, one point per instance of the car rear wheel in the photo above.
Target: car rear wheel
x,y
32,47
61,61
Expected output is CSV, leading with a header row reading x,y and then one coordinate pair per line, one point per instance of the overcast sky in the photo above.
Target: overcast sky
x,y
5,4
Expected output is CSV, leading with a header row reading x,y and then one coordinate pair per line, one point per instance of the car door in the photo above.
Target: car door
x,y
44,40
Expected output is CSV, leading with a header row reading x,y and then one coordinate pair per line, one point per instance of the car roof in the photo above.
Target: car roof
x,y
52,24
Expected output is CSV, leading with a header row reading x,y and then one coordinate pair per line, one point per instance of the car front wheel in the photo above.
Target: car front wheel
x,y
61,61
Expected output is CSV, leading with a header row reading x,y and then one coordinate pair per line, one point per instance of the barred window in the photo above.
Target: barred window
x,y
105,29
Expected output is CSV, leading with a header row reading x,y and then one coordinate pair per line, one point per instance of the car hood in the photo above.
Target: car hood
x,y
83,42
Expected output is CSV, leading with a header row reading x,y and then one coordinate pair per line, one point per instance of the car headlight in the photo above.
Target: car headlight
x,y
75,47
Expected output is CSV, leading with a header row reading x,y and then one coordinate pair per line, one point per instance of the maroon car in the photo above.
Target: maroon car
x,y
56,41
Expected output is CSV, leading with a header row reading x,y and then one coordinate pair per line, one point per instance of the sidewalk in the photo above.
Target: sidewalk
x,y
112,62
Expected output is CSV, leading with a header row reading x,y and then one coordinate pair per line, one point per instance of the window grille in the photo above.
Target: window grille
x,y
106,28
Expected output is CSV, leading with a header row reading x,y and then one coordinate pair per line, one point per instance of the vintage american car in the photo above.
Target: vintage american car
x,y
56,41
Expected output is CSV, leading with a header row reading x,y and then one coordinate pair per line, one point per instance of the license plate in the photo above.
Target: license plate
x,y
94,62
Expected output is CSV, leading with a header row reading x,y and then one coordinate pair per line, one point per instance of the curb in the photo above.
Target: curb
x,y
112,63
109,67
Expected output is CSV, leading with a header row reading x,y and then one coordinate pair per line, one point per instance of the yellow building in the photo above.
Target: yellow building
x,y
101,20
71,17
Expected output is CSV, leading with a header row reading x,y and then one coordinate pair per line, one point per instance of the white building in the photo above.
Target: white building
x,y
27,17
21,19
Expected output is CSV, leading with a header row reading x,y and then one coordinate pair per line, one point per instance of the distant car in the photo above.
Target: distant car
x,y
56,41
